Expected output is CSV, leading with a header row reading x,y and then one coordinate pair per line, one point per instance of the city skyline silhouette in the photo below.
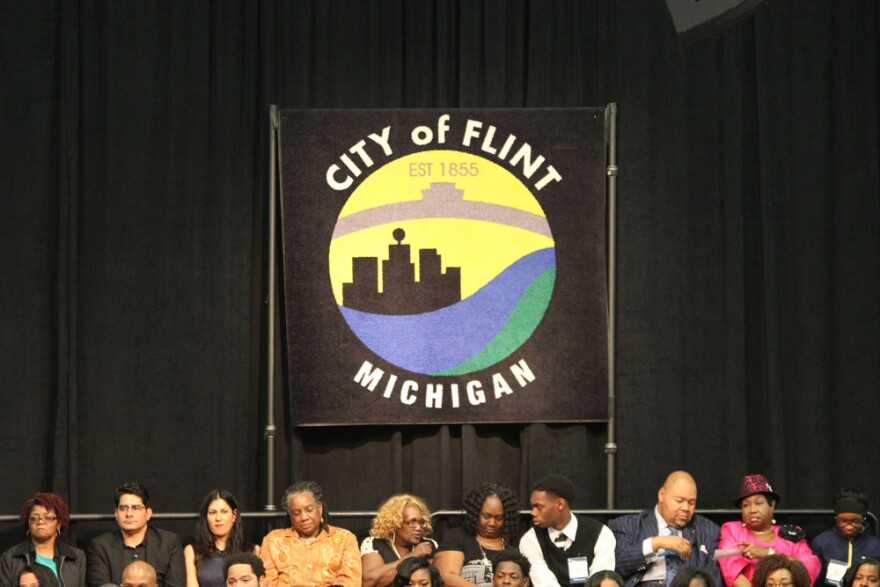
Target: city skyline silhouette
x,y
401,292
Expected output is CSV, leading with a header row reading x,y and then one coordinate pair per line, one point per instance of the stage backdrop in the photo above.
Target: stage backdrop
x,y
445,265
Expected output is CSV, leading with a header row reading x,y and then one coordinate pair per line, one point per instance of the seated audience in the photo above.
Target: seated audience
x,y
512,569
693,577
758,537
468,554
400,530
219,532
35,575
779,570
847,541
45,518
111,552
139,574
654,545
863,573
417,571
311,553
563,548
605,579
244,569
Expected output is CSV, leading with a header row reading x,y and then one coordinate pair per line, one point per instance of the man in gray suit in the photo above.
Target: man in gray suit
x,y
653,545
109,553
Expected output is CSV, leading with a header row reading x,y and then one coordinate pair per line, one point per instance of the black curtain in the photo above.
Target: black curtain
x,y
134,141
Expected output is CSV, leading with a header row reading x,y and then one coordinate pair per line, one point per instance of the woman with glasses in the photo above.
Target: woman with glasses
x,y
863,573
778,570
847,541
467,554
219,533
400,530
757,536
45,517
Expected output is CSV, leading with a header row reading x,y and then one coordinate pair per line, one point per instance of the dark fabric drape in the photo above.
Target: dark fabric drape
x,y
134,142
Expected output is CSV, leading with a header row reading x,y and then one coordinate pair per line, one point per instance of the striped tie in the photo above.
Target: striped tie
x,y
673,559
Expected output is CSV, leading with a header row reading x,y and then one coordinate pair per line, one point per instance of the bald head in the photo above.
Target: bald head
x,y
677,499
676,477
139,574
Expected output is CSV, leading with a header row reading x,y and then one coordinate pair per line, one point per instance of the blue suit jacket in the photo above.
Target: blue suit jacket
x,y
632,530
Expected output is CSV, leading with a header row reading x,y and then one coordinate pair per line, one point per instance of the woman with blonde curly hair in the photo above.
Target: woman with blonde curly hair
x,y
399,531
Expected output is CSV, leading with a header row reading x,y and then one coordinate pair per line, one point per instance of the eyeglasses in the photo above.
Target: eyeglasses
x,y
779,584
137,508
416,523
38,519
854,523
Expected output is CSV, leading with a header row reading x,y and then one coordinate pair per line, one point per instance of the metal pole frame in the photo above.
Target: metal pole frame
x,y
271,430
611,186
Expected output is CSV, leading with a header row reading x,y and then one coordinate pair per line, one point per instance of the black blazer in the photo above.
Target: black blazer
x,y
163,551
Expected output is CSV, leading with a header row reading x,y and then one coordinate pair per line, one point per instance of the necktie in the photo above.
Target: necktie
x,y
560,540
673,559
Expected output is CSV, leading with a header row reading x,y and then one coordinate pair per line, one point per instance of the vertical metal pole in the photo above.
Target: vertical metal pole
x,y
611,172
274,123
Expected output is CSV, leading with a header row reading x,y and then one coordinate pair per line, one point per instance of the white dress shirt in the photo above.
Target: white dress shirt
x,y
542,576
657,570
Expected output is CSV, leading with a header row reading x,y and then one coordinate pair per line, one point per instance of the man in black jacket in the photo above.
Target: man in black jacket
x,y
109,554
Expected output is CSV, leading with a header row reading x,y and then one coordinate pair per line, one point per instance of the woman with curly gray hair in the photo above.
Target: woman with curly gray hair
x,y
311,551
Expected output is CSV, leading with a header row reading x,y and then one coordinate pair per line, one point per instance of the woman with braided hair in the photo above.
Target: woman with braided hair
x,y
466,555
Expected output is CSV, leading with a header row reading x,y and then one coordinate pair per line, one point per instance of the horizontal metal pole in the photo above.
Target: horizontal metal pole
x,y
600,513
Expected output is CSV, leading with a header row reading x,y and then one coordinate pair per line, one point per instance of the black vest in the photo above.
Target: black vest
x,y
584,545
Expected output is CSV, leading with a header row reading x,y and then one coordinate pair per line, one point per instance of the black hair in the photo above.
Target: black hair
x,y
44,574
851,572
244,558
558,485
596,578
307,487
473,504
851,493
685,575
410,565
133,488
203,538
514,556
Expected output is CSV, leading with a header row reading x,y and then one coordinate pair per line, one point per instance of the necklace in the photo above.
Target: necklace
x,y
770,531
490,545
394,548
308,541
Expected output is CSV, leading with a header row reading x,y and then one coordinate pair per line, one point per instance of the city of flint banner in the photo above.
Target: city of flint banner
x,y
445,266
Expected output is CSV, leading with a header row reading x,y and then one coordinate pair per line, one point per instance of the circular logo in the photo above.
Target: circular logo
x,y
442,263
